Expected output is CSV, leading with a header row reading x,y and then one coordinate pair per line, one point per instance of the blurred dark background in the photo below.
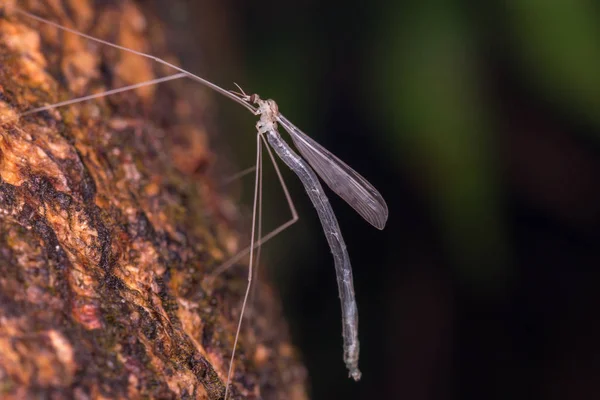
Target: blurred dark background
x,y
479,122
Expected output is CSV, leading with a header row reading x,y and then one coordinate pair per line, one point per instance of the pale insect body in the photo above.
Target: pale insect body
x,y
342,179
267,125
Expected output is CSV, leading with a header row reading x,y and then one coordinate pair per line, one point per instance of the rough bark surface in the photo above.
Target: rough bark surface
x,y
109,225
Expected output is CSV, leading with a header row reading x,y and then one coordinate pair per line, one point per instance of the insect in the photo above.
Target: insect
x,y
342,179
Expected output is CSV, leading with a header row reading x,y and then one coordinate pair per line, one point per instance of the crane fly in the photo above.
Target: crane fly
x,y
342,179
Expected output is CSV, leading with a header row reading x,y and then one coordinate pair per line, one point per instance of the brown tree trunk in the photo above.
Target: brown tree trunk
x,y
109,225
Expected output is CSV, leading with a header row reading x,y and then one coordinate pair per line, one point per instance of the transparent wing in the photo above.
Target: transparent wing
x,y
342,179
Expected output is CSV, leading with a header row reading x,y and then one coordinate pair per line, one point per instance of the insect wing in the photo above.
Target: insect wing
x,y
343,180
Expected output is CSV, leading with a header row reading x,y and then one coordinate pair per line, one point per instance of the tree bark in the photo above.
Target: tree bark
x,y
110,223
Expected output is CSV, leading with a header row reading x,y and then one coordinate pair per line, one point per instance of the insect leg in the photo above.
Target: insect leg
x,y
243,253
255,207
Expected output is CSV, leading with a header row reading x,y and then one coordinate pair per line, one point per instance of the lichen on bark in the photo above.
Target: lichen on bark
x,y
109,224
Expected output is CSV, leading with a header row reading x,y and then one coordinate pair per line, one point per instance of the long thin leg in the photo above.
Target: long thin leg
x,y
104,94
258,248
237,176
236,258
205,82
251,263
